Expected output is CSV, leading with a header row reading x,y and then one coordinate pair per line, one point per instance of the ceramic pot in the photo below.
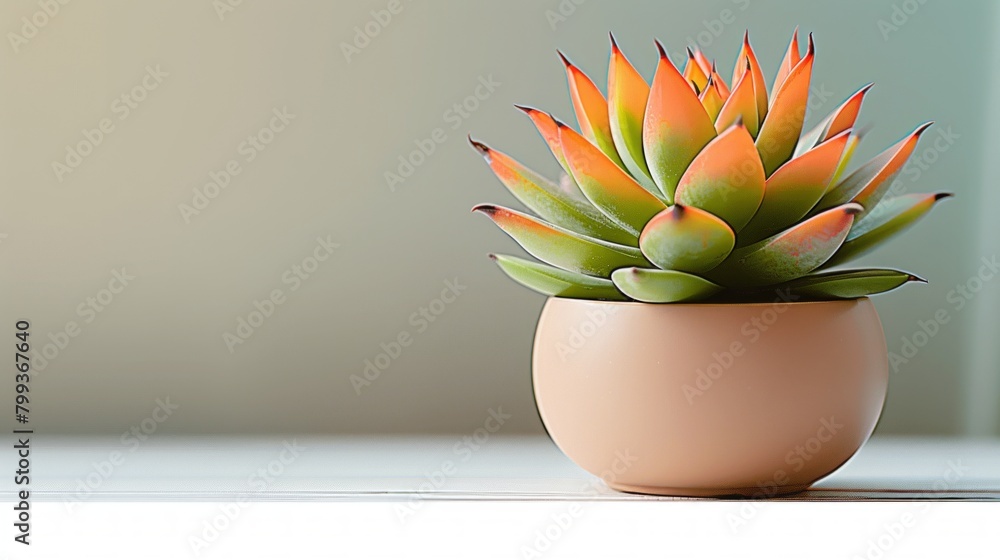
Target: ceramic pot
x,y
710,399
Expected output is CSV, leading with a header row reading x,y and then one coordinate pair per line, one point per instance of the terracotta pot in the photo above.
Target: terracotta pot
x,y
710,399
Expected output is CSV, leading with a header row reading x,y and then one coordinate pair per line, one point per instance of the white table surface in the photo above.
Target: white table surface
x,y
504,467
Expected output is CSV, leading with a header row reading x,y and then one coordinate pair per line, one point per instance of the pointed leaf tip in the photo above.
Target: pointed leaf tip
x,y
661,50
483,149
562,57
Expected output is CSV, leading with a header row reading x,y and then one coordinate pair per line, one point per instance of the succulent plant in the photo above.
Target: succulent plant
x,y
690,189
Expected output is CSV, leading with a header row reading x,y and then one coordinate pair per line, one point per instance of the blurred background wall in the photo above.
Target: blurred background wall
x,y
197,214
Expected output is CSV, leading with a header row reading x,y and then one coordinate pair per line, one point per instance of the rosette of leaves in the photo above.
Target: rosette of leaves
x,y
691,188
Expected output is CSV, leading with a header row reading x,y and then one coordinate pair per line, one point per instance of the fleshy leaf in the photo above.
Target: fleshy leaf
x,y
746,61
790,254
845,159
606,185
726,178
559,246
662,286
627,97
686,238
841,119
706,66
676,126
548,201
780,130
849,284
792,58
870,181
553,281
740,106
792,191
890,217
721,84
591,110
712,99
549,131
694,74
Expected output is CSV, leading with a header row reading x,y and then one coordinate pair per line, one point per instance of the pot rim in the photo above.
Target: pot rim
x,y
716,304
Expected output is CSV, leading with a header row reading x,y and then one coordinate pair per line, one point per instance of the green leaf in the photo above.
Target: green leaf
x,y
607,186
686,238
553,281
561,247
675,126
848,284
790,254
792,190
662,286
726,178
628,93
890,217
869,183
548,201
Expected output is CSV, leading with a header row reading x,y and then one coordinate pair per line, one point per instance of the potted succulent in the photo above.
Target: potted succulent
x,y
698,339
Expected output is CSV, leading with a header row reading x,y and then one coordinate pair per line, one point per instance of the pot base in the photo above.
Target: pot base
x,y
708,492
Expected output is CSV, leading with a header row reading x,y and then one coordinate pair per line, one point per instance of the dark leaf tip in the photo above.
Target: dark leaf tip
x,y
565,60
483,149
